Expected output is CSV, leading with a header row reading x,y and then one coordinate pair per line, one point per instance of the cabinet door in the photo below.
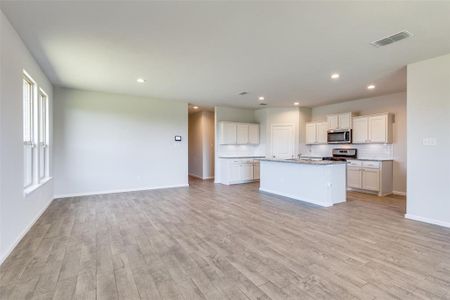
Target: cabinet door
x,y
321,132
360,130
371,179
378,129
247,171
345,121
333,121
256,170
242,133
228,133
235,171
354,179
253,134
311,133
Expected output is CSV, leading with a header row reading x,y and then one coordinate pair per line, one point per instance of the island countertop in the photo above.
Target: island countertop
x,y
305,161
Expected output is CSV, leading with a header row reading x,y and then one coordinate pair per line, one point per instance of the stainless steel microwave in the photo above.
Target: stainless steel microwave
x,y
339,136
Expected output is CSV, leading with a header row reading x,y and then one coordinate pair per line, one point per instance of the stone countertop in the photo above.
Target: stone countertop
x,y
306,161
234,157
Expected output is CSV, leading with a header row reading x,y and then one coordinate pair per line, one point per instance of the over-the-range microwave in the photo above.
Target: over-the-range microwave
x,y
339,136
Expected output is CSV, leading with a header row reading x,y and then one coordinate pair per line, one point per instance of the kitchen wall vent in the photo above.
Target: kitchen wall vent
x,y
392,39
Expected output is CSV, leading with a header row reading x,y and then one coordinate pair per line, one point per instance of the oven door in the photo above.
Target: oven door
x,y
339,137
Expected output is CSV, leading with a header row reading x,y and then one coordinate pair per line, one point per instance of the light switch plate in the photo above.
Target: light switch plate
x,y
429,141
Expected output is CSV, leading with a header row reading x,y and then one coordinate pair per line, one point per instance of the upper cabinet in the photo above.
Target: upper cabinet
x,y
232,133
316,133
373,129
253,134
340,121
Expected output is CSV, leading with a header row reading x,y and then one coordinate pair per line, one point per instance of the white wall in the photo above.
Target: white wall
x,y
428,109
393,103
17,212
201,144
109,142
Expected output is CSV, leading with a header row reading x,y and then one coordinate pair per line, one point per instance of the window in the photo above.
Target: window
x,y
43,136
35,134
28,129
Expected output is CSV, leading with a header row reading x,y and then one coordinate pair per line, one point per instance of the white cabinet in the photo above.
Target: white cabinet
x,y
316,133
311,133
253,134
372,129
340,121
373,176
371,179
228,133
234,133
333,121
241,133
234,171
322,132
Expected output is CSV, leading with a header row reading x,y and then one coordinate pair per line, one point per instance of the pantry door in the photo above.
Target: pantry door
x,y
282,141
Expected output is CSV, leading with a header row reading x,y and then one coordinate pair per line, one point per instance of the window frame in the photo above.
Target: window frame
x,y
31,141
35,135
43,140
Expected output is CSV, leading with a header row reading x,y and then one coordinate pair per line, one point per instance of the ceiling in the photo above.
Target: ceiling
x,y
206,53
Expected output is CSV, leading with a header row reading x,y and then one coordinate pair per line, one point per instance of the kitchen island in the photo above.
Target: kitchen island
x,y
319,182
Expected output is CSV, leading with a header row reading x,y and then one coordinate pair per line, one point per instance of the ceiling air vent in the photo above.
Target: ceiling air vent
x,y
243,93
263,104
392,39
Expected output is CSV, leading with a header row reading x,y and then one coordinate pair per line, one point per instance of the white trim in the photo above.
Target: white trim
x,y
24,232
398,193
200,177
427,220
120,191
307,201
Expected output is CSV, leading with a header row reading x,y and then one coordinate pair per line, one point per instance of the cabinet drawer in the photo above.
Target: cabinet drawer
x,y
354,163
371,164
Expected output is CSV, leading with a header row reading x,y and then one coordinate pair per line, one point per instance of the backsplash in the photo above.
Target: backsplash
x,y
240,150
368,151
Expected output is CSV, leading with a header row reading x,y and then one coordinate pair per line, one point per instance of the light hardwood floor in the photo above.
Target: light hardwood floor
x,y
227,242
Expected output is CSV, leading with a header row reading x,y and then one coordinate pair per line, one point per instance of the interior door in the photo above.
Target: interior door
x,y
282,141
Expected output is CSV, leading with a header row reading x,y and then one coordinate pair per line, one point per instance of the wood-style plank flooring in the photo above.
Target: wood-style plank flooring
x,y
227,242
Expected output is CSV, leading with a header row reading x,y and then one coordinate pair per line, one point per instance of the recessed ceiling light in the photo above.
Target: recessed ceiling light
x,y
140,80
195,107
261,98
370,87
335,76
296,103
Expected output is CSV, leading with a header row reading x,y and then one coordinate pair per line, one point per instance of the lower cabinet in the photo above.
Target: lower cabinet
x,y
234,171
373,176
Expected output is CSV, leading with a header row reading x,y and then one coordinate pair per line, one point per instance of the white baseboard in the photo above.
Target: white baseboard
x,y
398,193
427,220
120,191
24,232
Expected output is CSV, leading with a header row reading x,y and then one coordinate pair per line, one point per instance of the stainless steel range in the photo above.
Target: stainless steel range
x,y
342,154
